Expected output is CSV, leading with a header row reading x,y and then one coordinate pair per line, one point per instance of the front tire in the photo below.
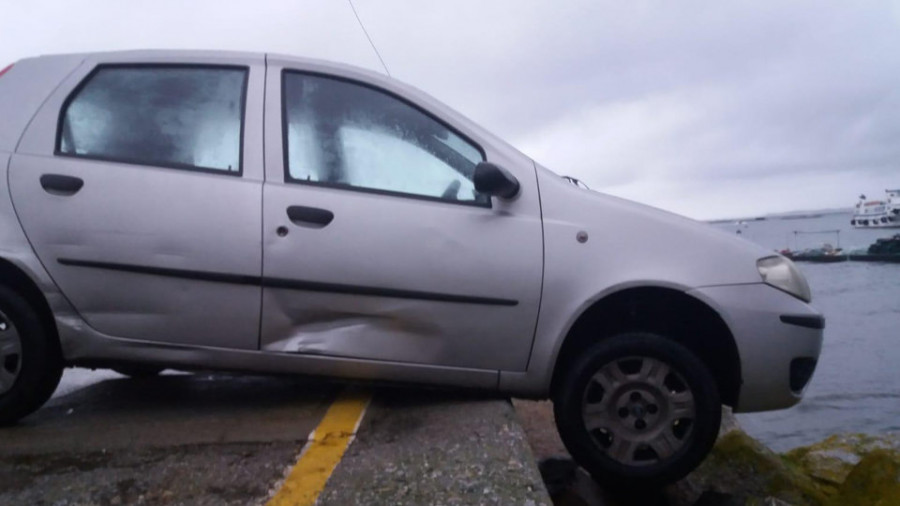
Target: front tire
x,y
30,361
638,410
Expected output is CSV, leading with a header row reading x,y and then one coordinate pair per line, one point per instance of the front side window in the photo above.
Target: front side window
x,y
342,134
171,116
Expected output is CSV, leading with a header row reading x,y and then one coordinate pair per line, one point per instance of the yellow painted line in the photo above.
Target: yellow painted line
x,y
323,451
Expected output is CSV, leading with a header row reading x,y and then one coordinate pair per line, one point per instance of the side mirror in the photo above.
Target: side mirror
x,y
495,181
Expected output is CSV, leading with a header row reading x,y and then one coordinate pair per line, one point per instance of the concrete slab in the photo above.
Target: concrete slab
x,y
229,440
222,474
432,447
180,439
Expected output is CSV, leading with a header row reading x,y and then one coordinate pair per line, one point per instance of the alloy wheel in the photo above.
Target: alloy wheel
x,y
638,410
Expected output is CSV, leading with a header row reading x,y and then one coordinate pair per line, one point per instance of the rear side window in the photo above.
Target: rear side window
x,y
171,116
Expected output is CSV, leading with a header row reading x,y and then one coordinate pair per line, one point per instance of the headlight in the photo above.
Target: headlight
x,y
781,273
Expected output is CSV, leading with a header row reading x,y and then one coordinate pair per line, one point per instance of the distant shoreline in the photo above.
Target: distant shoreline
x,y
792,215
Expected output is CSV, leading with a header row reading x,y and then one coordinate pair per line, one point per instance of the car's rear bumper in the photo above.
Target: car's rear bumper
x,y
778,337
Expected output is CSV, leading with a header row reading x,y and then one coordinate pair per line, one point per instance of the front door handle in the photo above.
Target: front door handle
x,y
58,184
309,216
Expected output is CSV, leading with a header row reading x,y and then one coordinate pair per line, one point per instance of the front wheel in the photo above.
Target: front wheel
x,y
638,410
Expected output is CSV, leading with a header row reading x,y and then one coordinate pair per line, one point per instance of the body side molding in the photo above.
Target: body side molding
x,y
290,284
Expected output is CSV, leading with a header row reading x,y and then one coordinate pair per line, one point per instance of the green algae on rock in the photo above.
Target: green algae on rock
x,y
831,460
874,481
747,470
843,469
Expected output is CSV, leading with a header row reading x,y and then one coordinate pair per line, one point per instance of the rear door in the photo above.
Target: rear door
x,y
139,185
376,244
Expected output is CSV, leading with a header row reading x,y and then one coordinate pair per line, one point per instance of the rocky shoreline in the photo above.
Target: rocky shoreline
x,y
841,470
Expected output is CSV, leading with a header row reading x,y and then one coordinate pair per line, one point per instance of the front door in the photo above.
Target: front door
x,y
146,212
376,244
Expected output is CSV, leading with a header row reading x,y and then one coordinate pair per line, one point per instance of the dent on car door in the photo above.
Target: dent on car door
x,y
145,208
413,265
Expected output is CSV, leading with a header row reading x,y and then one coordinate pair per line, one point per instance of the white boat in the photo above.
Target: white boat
x,y
878,213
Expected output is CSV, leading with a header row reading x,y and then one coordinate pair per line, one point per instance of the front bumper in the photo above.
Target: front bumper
x,y
778,338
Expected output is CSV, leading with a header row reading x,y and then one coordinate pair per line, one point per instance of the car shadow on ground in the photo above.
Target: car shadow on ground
x,y
201,408
173,410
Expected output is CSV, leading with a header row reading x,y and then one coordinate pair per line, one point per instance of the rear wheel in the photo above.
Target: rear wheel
x,y
30,361
638,410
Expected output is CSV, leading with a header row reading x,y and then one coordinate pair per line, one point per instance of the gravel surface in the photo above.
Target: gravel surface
x,y
224,474
537,420
417,447
229,440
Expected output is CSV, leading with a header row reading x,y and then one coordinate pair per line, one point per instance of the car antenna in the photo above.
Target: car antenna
x,y
388,72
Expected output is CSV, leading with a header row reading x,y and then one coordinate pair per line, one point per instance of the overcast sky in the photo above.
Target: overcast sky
x,y
709,109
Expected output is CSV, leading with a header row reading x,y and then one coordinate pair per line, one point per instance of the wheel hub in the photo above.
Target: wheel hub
x,y
638,410
10,354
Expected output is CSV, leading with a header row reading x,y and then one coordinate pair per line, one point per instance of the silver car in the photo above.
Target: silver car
x,y
264,213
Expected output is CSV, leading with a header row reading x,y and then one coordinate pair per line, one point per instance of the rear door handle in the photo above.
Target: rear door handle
x,y
58,184
309,216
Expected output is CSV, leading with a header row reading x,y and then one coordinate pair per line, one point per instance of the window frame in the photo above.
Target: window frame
x,y
134,161
487,203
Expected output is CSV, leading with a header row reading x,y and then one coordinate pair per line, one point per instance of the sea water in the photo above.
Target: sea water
x,y
856,386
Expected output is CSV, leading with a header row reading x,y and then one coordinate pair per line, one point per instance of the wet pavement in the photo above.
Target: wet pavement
x,y
229,439
198,439
172,410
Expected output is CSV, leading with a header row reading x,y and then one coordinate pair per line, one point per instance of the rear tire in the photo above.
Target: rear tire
x,y
638,410
30,369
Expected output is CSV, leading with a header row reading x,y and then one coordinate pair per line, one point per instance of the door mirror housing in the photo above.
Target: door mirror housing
x,y
495,181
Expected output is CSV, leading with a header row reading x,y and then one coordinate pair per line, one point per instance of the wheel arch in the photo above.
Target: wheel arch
x,y
669,312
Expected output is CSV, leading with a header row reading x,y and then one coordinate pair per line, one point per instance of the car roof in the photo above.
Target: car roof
x,y
215,55
468,127
228,56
